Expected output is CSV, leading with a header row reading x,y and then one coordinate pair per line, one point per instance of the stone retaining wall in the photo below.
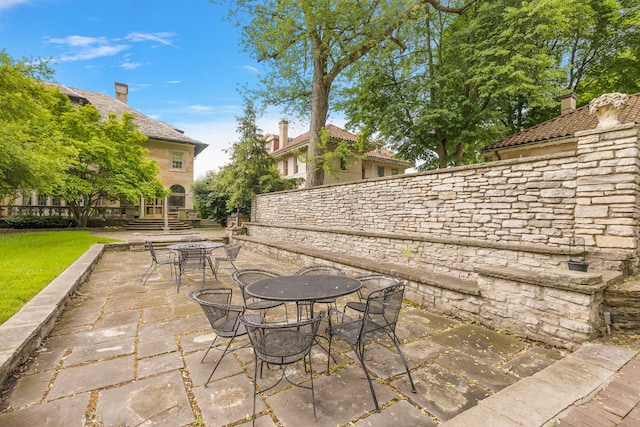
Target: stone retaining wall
x,y
465,222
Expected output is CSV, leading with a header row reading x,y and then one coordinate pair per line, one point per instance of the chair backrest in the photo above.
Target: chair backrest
x,y
381,312
247,276
231,251
193,255
374,282
152,250
282,343
321,269
216,304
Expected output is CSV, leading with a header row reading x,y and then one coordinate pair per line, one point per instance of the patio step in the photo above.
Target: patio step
x,y
156,224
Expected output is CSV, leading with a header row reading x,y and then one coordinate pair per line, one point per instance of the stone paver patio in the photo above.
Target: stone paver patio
x,y
123,354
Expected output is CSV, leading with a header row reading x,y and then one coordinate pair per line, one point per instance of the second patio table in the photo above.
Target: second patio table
x,y
303,287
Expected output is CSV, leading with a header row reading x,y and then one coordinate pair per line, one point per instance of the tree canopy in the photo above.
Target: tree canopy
x,y
111,165
32,153
49,146
307,46
251,171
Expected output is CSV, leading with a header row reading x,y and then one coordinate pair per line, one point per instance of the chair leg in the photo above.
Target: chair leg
x,y
366,372
255,388
404,362
148,272
215,269
224,353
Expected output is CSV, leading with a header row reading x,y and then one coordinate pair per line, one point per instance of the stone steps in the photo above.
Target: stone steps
x,y
156,224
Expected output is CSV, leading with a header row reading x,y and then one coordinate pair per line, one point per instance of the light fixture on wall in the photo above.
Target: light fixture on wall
x,y
577,265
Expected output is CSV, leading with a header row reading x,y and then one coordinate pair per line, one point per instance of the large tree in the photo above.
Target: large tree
x,y
32,155
110,165
308,44
463,81
252,169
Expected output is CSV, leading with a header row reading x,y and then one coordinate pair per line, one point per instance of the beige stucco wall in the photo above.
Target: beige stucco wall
x,y
161,151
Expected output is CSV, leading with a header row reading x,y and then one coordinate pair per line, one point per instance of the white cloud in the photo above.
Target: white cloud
x,y
6,4
200,108
130,65
252,69
173,82
162,38
93,52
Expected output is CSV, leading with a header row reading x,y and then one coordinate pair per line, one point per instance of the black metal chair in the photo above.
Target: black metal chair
x,y
379,319
282,344
192,256
230,255
319,270
159,257
370,283
247,276
224,318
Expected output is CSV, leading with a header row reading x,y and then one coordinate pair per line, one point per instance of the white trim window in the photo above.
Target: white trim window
x,y
178,161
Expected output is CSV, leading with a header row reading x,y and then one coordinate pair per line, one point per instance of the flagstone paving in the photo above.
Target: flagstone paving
x,y
123,354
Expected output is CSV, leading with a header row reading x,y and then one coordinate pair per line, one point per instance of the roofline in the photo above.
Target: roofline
x,y
526,144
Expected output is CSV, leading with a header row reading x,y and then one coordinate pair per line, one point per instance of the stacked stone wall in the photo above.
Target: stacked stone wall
x,y
517,201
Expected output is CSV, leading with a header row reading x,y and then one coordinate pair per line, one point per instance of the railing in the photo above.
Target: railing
x,y
62,211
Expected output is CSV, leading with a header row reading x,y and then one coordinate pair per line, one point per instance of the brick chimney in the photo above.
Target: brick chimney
x,y
568,103
122,90
284,133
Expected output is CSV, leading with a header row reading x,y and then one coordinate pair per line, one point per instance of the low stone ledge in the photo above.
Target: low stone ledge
x,y
575,281
23,333
468,287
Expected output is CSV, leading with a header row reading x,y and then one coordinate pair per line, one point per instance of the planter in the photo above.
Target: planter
x,y
578,265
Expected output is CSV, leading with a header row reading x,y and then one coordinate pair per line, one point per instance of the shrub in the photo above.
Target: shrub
x,y
33,222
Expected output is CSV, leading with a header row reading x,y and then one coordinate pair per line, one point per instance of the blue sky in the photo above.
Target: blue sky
x,y
181,60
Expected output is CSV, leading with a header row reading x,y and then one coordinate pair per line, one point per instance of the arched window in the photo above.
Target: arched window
x,y
176,199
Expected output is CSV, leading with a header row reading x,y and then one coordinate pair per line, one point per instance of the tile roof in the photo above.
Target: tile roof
x,y
340,134
151,128
565,126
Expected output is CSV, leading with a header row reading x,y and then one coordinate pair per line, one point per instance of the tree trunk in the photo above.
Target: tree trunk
x,y
319,110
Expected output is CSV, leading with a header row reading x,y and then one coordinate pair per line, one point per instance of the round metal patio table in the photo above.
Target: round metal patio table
x,y
303,287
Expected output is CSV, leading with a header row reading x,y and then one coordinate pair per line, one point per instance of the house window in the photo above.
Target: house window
x,y
55,201
343,164
363,172
177,160
285,167
394,171
380,170
295,165
42,199
176,199
26,200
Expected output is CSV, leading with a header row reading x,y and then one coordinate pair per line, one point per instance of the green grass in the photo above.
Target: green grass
x,y
29,261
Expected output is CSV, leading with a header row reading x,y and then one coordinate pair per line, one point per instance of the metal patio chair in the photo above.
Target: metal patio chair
x,y
319,270
159,257
192,257
230,255
379,319
247,276
370,283
282,344
224,318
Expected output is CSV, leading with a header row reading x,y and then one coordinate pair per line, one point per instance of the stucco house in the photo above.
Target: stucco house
x,y
557,134
173,151
289,153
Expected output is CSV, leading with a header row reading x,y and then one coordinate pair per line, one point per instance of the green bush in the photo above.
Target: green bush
x,y
35,222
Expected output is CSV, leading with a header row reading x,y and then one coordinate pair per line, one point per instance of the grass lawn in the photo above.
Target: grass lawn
x,y
29,261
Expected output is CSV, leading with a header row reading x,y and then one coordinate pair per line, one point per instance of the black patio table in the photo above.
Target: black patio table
x,y
186,245
300,288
